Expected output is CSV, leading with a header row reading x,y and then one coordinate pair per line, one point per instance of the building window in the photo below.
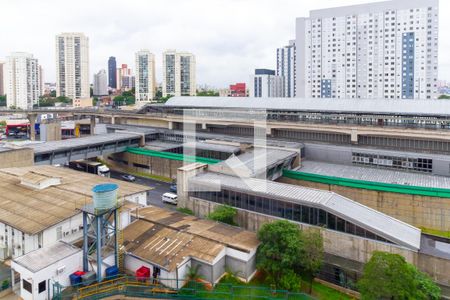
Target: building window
x,y
41,287
27,286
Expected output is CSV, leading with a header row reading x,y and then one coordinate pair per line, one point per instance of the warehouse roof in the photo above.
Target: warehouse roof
x,y
375,174
167,238
39,259
370,106
383,225
212,147
31,211
80,142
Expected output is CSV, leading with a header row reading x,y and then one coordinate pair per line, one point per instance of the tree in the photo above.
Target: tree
x,y
193,273
279,251
311,253
53,94
224,214
208,93
3,100
444,97
389,276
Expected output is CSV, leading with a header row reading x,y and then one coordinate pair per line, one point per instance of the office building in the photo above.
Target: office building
x,y
41,80
72,65
22,85
378,50
112,79
286,68
100,84
124,78
238,90
179,78
266,84
145,76
2,89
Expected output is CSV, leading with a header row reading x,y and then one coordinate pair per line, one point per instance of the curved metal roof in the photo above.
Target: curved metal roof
x,y
368,106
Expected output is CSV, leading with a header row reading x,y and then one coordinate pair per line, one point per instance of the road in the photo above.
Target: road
x,y
153,196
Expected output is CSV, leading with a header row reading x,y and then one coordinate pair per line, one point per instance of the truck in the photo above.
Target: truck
x,y
92,167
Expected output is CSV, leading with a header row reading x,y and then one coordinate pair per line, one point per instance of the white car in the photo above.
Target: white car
x,y
170,198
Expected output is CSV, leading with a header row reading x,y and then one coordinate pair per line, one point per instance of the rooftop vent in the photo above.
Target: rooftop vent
x,y
38,181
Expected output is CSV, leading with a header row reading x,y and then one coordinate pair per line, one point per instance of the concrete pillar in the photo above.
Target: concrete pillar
x,y
354,136
92,125
268,130
203,126
113,120
170,125
32,119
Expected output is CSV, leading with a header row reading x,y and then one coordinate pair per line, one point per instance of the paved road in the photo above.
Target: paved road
x,y
153,196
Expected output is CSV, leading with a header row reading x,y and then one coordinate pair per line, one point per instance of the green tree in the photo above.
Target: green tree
x,y
119,100
311,253
444,97
208,93
64,99
94,101
224,214
279,251
3,100
389,276
193,273
91,91
53,94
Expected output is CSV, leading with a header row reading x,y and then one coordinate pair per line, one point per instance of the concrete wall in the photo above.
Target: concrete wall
x,y
419,211
50,131
340,244
16,158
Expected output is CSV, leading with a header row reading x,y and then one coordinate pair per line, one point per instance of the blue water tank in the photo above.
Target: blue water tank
x,y
111,271
105,195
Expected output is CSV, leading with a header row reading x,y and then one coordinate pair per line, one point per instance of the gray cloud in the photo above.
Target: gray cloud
x,y
229,37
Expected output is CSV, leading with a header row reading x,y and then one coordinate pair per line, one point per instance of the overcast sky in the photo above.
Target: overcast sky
x,y
230,38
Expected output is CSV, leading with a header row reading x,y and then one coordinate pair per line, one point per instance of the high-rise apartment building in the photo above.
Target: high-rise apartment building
x,y
378,50
286,68
41,80
2,89
145,76
266,84
72,65
112,78
124,78
100,84
22,85
179,78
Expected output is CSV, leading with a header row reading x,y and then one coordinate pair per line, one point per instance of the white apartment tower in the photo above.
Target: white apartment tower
x,y
179,78
100,83
21,78
145,76
266,84
72,65
286,68
378,50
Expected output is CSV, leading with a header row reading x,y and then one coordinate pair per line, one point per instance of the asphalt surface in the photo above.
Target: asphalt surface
x,y
154,195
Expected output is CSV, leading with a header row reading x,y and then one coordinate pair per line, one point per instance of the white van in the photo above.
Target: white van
x,y
170,198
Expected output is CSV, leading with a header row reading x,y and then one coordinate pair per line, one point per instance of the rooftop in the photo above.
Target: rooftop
x,y
41,258
32,211
363,216
361,106
168,238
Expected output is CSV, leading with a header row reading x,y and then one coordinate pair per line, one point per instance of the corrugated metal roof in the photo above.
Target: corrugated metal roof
x,y
375,174
41,258
370,106
363,216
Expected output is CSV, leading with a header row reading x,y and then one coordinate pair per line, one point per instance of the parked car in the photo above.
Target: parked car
x,y
128,177
170,198
173,188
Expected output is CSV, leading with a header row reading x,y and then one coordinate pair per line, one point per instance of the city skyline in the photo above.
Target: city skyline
x,y
235,48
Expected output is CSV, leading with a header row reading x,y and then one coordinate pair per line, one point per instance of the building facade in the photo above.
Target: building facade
x,y
377,50
100,84
286,68
179,78
145,76
112,66
238,90
22,84
124,78
266,84
72,65
2,89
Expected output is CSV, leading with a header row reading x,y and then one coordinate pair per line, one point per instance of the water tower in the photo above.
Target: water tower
x,y
101,226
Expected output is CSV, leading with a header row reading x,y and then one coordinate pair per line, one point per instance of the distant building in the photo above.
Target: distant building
x,y
41,80
179,78
100,84
22,84
376,50
237,90
2,89
145,76
82,102
224,92
112,79
72,65
266,84
124,78
286,68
